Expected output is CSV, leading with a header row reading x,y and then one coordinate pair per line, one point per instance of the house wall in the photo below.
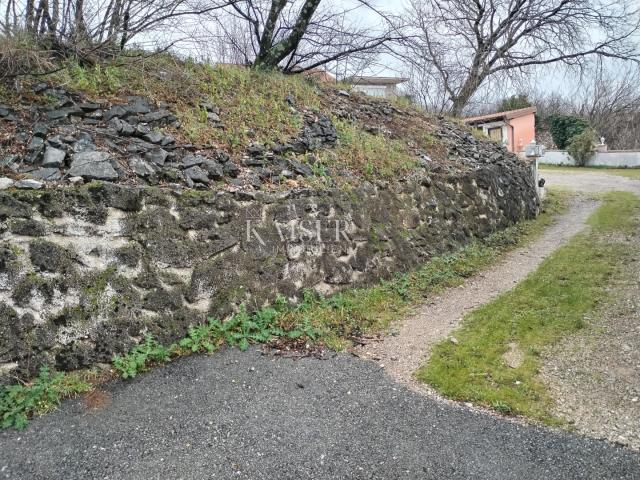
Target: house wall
x,y
383,91
522,133
612,158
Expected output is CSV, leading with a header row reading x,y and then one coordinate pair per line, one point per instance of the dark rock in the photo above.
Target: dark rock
x,y
34,150
140,167
214,170
139,146
253,162
154,117
192,160
157,156
9,160
4,111
48,174
56,142
231,169
40,130
213,117
93,117
161,300
88,107
27,227
130,255
83,145
10,207
139,105
153,137
196,174
63,113
256,150
167,140
93,166
116,111
142,129
300,168
53,157
122,127
209,107
49,257
112,195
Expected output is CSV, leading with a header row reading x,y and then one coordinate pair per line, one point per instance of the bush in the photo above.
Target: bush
x,y
20,55
564,127
581,146
514,102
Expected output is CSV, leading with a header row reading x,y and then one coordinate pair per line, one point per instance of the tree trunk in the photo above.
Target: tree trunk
x,y
271,55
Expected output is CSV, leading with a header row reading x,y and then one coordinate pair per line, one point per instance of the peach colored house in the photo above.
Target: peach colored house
x,y
515,129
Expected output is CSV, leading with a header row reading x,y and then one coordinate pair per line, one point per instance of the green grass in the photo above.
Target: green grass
x,y
372,156
42,395
550,304
373,309
623,172
253,105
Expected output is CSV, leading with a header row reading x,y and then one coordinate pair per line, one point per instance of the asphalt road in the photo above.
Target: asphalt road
x,y
244,415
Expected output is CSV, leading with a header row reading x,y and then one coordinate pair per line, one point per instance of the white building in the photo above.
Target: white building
x,y
385,87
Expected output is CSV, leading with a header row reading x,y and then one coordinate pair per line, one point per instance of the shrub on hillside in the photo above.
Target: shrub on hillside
x,y
565,127
514,102
581,147
20,55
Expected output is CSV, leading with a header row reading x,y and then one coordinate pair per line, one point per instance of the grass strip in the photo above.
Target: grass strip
x,y
550,304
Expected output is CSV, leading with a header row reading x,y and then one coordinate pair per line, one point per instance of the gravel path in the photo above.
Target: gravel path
x,y
594,375
244,415
402,353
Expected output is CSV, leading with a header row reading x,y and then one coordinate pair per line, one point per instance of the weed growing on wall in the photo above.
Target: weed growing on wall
x,y
42,395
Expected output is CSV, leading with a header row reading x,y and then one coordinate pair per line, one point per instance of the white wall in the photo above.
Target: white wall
x,y
613,158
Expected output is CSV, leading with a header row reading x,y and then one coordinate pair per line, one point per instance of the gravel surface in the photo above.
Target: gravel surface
x,y
404,352
594,375
247,415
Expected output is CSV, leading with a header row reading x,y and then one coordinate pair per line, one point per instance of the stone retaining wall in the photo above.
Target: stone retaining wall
x,y
86,272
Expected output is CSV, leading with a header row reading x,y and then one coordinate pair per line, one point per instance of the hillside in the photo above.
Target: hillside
x,y
161,121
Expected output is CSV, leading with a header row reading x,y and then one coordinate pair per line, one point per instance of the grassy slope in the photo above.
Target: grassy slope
x,y
623,172
254,107
549,304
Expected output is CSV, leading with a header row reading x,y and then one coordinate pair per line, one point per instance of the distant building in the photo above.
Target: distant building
x,y
385,87
320,75
515,129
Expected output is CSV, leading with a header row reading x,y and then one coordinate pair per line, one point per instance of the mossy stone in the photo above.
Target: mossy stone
x,y
50,257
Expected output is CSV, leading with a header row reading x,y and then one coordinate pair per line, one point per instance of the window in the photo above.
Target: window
x,y
495,134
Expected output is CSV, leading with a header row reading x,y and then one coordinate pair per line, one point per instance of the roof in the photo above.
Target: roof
x,y
320,75
508,115
375,80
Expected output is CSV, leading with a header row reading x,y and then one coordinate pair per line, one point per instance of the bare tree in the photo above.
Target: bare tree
x,y
296,36
459,45
99,26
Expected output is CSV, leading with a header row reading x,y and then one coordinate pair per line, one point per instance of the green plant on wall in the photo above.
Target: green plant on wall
x,y
565,127
581,147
